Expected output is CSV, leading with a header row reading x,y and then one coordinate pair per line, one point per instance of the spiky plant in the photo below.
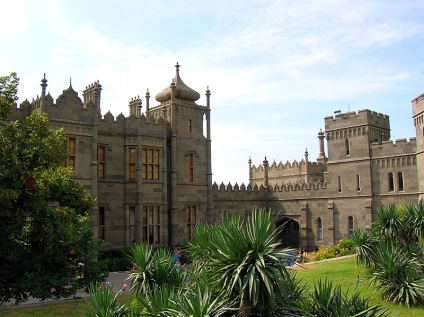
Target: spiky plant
x,y
104,303
398,275
242,257
364,243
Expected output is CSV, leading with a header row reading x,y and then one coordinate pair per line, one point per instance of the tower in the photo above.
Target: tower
x,y
418,116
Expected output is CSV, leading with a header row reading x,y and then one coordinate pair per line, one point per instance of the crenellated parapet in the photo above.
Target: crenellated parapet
x,y
365,123
398,148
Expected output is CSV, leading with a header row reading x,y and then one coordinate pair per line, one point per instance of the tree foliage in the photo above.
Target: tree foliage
x,y
44,225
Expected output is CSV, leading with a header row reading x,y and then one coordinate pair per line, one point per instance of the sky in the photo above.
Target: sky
x,y
275,68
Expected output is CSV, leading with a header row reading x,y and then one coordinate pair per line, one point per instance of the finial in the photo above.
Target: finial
x,y
70,81
177,67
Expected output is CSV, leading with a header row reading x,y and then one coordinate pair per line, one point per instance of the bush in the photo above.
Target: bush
x,y
343,247
115,260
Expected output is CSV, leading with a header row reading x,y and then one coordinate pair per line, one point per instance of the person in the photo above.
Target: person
x,y
179,254
123,289
174,256
132,271
177,263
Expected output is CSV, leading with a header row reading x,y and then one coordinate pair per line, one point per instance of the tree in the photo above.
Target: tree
x,y
44,224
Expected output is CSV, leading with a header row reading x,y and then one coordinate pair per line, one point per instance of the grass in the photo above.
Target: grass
x,y
344,273
341,272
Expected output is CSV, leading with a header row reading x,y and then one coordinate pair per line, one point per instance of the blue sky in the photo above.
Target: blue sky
x,y
275,68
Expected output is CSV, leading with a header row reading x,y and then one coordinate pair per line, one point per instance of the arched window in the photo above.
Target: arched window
x,y
350,225
391,182
347,146
400,181
319,225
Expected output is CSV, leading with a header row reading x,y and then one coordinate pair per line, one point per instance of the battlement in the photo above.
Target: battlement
x,y
390,148
284,187
353,119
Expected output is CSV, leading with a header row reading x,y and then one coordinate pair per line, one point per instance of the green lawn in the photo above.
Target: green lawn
x,y
343,272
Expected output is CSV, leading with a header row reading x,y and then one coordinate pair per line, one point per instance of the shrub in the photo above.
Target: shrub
x,y
343,247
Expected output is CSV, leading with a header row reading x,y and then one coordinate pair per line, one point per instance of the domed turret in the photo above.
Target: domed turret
x,y
182,91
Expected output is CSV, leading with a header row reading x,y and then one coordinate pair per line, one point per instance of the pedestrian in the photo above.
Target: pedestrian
x,y
123,289
174,256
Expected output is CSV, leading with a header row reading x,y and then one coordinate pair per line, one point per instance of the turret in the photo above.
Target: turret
x,y
135,107
91,95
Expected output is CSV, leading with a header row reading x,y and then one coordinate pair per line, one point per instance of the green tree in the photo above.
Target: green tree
x,y
44,225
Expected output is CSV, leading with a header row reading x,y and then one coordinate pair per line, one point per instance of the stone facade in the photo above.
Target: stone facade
x,y
151,171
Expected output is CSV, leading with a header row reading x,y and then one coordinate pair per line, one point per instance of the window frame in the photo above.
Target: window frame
x,y
150,229
132,161
320,232
191,218
101,161
150,165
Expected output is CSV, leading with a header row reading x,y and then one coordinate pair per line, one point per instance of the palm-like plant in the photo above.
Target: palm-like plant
x,y
104,303
326,300
241,257
153,267
399,276
364,242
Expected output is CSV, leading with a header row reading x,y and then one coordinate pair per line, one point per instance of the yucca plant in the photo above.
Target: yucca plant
x,y
241,257
398,275
326,300
201,303
152,267
104,303
364,243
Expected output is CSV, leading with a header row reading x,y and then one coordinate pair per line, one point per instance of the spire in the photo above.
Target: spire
x,y
43,86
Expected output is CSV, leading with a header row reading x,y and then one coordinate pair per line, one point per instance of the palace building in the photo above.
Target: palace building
x,y
151,171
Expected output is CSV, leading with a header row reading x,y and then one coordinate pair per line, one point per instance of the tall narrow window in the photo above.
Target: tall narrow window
x,y
339,184
189,125
72,153
391,182
101,222
400,181
151,225
101,161
70,160
132,226
319,225
150,163
131,162
350,225
358,183
190,167
191,220
347,147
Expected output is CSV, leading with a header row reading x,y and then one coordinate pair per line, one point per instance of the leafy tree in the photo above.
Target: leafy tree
x,y
44,225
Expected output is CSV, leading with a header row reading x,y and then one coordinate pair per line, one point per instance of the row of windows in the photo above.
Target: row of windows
x,y
150,224
320,234
391,182
150,165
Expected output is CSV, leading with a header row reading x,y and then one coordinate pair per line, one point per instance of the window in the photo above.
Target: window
x,y
132,226
391,182
339,184
101,161
101,222
190,167
319,224
151,225
191,220
400,181
347,147
70,160
350,225
190,126
358,183
150,163
131,162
